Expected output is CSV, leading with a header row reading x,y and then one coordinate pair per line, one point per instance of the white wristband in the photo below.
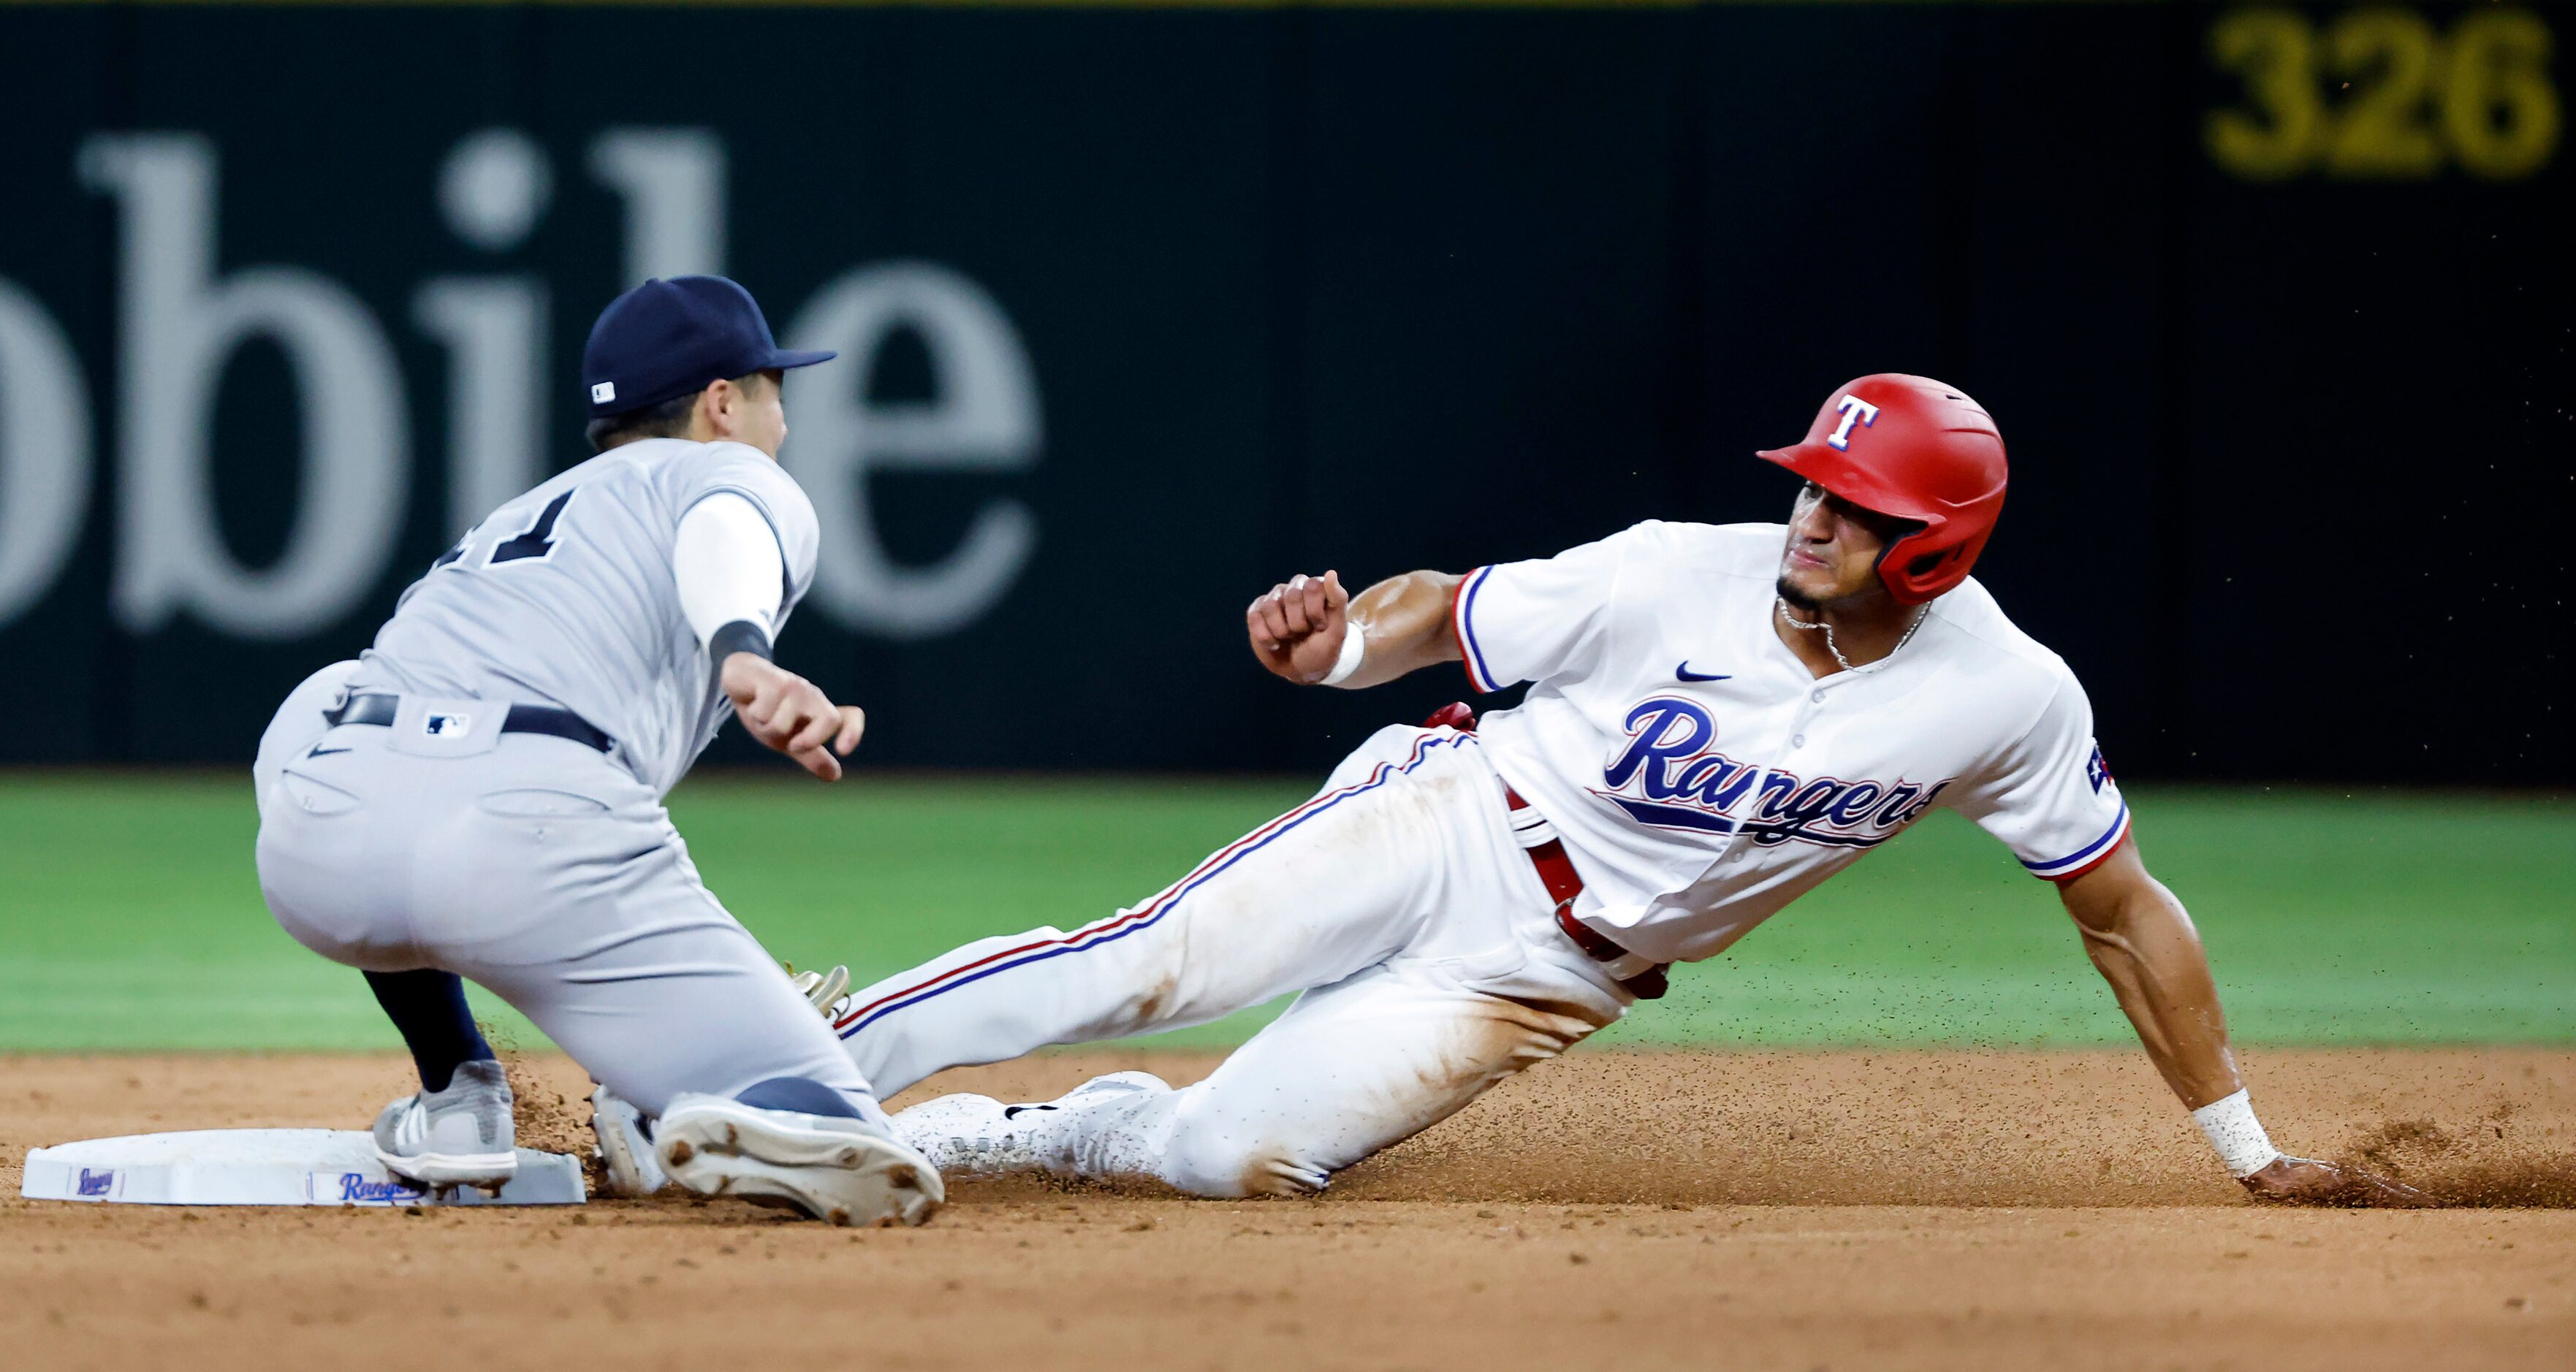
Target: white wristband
x,y
1354,647
2232,1129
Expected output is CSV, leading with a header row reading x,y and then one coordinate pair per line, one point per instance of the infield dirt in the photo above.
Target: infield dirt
x,y
1788,1210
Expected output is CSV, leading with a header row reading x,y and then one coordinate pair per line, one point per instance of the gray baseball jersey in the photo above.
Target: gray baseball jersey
x,y
529,863
566,596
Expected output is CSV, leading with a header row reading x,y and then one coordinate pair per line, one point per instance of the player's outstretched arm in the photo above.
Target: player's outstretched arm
x,y
789,713
729,570
2142,940
1311,631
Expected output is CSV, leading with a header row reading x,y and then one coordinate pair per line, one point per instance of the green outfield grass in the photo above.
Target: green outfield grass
x,y
130,917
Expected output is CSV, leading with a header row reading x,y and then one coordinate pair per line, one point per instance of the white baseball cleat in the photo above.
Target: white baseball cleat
x,y
840,1170
1114,1084
461,1136
967,1135
979,1136
625,1150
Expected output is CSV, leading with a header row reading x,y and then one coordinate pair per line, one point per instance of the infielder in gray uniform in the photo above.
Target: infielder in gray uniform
x,y
480,795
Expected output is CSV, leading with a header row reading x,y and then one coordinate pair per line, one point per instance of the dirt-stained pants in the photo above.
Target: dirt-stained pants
x,y
1396,900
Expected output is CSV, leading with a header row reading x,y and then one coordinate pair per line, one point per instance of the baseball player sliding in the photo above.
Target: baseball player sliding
x,y
481,794
1719,718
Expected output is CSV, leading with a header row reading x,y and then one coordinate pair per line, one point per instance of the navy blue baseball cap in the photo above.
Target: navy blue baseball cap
x,y
666,339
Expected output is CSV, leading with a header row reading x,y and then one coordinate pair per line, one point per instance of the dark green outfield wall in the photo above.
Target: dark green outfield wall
x,y
1157,305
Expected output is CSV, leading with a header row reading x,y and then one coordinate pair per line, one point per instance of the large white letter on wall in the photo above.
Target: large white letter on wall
x,y
983,417
492,190
674,184
44,451
177,326
495,332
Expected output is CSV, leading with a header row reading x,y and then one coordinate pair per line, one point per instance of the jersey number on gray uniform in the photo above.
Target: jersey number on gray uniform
x,y
537,541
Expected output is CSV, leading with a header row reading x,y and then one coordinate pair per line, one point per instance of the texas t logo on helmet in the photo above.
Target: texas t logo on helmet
x,y
1854,409
1934,457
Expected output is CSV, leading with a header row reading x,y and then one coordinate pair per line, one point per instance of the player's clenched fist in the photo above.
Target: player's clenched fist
x,y
1297,626
791,714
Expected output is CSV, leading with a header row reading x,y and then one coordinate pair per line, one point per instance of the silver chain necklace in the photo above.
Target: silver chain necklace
x,y
1845,663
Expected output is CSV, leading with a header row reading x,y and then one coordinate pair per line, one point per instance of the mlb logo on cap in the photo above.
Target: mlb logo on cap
x,y
666,339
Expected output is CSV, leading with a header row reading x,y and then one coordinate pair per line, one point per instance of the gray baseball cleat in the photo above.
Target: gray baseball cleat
x,y
840,1170
461,1136
979,1136
625,1147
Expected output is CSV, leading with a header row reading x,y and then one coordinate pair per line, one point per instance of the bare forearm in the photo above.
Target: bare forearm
x,y
2142,941
1406,621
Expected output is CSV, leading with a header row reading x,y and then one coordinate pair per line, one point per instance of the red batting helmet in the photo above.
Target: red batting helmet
x,y
1911,447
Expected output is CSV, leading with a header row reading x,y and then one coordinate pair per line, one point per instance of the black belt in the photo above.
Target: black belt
x,y
377,708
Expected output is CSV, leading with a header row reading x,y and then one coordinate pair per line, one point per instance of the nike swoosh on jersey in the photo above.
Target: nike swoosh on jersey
x,y
320,751
1684,673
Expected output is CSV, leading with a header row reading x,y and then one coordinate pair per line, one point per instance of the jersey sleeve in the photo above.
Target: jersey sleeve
x,y
729,567
1527,621
2049,797
749,473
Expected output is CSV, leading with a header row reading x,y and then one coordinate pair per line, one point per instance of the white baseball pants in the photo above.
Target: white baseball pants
x,y
1396,900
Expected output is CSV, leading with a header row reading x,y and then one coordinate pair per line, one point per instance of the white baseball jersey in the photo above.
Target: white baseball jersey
x,y
1398,902
1702,778
1698,773
566,596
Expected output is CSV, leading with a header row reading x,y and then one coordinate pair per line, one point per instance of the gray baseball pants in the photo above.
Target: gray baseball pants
x,y
538,868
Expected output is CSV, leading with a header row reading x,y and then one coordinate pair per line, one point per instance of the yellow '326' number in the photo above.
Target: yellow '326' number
x,y
2408,100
